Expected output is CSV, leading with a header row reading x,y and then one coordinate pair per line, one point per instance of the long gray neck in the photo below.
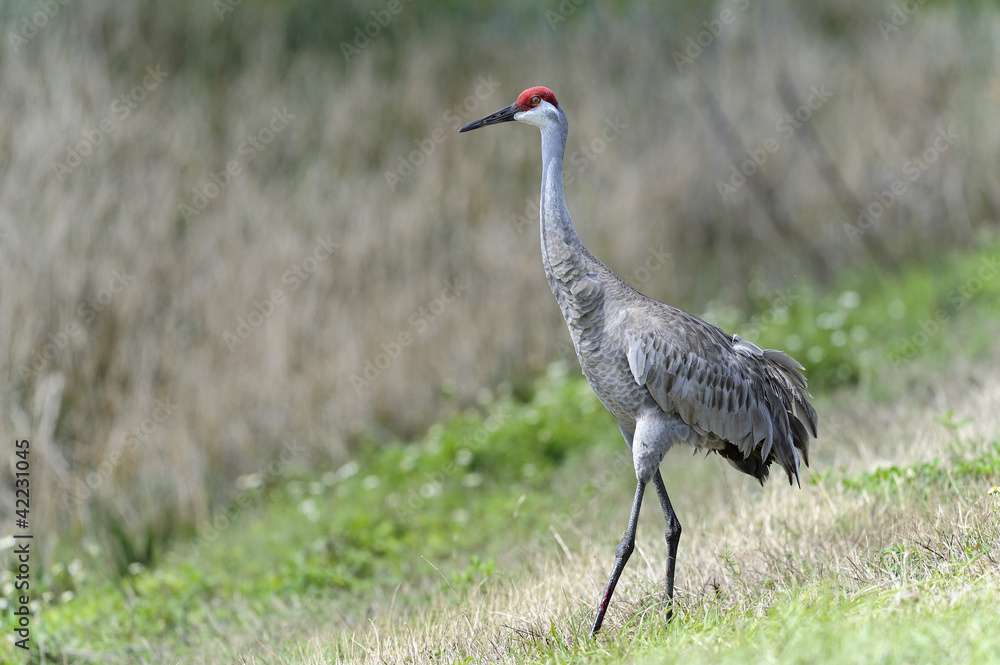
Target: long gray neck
x,y
569,268
562,252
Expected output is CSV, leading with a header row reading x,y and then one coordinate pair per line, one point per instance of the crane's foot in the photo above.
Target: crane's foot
x,y
596,626
620,559
668,605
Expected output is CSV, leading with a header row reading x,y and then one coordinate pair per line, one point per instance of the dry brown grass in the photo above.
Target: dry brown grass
x,y
158,344
742,547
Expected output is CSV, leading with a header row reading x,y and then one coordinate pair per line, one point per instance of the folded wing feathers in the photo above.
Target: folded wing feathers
x,y
756,401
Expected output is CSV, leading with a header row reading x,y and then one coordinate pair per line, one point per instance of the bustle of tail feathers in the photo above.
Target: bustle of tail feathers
x,y
786,393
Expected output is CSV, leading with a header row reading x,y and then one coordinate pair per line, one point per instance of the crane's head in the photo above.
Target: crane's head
x,y
535,106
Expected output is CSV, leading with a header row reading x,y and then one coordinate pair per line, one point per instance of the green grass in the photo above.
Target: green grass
x,y
348,531
925,474
490,477
934,600
949,619
869,323
965,462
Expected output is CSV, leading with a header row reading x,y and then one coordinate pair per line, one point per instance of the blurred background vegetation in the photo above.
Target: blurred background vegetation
x,y
174,176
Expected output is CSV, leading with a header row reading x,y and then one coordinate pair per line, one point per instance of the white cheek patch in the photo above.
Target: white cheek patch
x,y
535,116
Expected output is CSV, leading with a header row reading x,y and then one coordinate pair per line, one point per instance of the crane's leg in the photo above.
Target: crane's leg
x,y
622,553
673,534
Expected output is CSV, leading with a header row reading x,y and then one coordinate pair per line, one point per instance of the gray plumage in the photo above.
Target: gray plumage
x,y
666,376
646,359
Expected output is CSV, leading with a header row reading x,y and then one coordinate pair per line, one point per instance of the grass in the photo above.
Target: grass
x,y
432,521
946,619
870,324
218,294
925,474
346,531
832,574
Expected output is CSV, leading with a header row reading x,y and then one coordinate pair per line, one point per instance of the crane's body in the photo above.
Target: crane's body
x,y
665,375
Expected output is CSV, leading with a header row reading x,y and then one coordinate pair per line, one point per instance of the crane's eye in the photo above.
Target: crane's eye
x,y
536,100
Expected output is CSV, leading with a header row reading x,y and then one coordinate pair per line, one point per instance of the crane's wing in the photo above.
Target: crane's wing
x,y
754,399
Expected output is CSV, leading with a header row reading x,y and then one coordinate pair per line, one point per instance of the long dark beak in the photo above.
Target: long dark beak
x,y
503,115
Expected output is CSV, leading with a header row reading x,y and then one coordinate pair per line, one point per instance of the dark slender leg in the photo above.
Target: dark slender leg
x,y
673,533
622,553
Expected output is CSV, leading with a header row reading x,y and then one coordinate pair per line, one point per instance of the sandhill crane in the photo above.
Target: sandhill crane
x,y
666,376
